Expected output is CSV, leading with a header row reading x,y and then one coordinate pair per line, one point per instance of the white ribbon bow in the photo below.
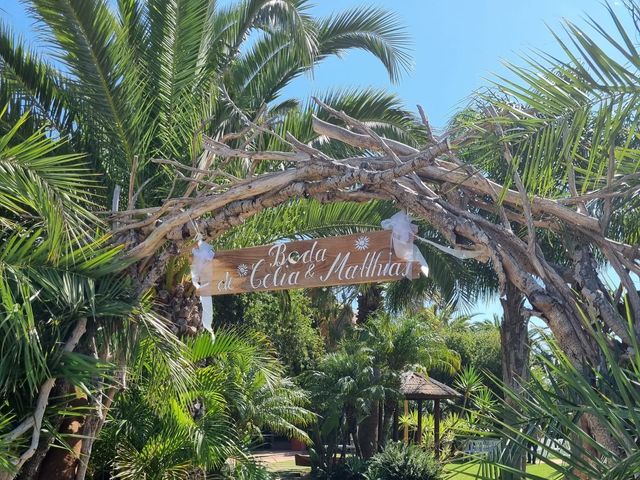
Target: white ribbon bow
x,y
202,255
403,233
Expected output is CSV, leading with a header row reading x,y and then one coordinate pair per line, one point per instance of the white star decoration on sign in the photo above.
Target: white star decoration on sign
x,y
243,270
362,243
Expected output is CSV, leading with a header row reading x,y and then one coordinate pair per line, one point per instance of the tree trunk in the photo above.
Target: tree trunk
x,y
390,409
369,302
514,341
59,463
368,432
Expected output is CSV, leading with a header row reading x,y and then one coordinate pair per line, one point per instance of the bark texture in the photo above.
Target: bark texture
x,y
514,340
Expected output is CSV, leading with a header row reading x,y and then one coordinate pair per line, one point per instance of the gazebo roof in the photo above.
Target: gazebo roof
x,y
415,386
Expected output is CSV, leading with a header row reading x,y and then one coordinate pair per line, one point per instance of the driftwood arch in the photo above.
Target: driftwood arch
x,y
433,185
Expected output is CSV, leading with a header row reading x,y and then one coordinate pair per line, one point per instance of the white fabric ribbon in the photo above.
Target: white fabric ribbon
x,y
202,255
402,238
461,254
403,233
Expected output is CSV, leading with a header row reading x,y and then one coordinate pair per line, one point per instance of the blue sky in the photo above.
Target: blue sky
x,y
456,46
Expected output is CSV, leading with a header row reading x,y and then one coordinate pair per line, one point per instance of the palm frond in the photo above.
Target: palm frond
x,y
40,189
371,29
86,33
566,117
28,83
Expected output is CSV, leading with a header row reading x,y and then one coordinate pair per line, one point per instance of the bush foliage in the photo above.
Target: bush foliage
x,y
404,462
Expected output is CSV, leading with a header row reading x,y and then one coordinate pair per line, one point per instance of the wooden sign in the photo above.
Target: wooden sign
x,y
346,260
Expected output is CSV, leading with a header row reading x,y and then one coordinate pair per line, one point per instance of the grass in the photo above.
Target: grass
x,y
289,469
468,472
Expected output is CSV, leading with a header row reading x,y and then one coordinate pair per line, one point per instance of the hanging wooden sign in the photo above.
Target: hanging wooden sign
x,y
345,260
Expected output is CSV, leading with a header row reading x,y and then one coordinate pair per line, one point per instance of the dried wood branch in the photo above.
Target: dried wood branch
x,y
223,150
382,143
210,173
427,125
400,173
134,199
450,173
524,197
356,139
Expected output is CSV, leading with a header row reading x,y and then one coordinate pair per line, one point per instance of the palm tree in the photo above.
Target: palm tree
x,y
205,90
568,127
145,79
140,80
560,128
342,387
233,388
54,281
401,343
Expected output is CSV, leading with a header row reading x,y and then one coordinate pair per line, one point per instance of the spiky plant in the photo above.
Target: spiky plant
x,y
551,416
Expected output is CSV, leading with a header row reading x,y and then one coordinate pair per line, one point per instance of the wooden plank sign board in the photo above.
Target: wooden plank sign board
x,y
346,260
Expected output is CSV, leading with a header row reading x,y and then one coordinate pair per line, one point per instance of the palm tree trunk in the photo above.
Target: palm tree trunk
x,y
59,463
389,407
369,302
514,340
368,431
352,427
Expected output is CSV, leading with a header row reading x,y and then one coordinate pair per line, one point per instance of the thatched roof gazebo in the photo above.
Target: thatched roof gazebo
x,y
415,386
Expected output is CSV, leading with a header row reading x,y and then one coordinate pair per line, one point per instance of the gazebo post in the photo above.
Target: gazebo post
x,y
436,425
419,436
406,426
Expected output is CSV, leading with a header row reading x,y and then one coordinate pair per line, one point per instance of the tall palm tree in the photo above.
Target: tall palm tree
x,y
398,344
560,127
144,79
137,80
569,126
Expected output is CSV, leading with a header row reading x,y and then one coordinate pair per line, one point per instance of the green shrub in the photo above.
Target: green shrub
x,y
403,462
353,468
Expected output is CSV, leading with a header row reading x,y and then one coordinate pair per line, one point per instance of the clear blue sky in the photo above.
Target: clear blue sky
x,y
457,46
